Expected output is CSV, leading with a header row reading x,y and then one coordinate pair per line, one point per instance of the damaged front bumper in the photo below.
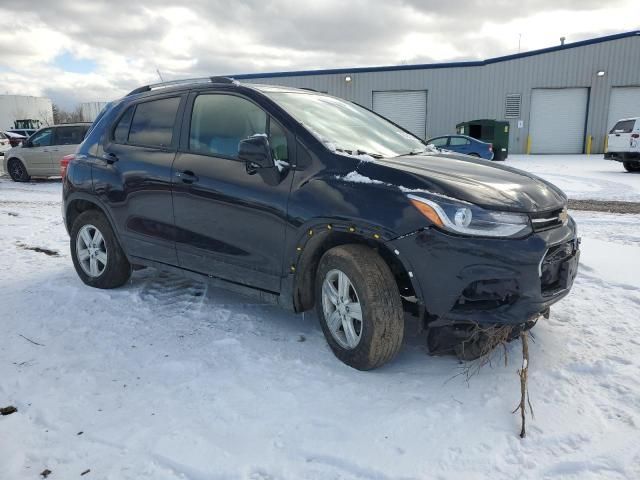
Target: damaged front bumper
x,y
464,280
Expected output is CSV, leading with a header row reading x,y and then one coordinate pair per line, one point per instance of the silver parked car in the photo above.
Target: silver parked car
x,y
40,155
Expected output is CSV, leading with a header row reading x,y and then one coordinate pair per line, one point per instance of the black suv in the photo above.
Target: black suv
x,y
306,199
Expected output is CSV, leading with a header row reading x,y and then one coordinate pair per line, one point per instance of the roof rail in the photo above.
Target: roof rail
x,y
171,83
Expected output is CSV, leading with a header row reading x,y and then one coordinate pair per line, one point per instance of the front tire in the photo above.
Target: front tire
x,y
359,306
17,170
631,166
96,253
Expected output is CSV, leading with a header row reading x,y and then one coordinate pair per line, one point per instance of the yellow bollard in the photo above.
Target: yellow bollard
x,y
589,142
528,144
606,143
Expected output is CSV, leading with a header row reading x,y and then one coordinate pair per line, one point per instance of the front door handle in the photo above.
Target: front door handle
x,y
187,176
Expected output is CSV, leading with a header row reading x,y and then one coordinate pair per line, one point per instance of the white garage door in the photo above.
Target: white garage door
x,y
623,103
407,108
557,121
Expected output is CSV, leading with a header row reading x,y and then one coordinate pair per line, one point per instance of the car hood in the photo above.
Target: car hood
x,y
477,181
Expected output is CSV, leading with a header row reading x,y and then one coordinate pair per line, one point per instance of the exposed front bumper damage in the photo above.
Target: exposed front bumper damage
x,y
461,280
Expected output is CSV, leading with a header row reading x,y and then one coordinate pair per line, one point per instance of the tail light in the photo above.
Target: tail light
x,y
491,147
64,163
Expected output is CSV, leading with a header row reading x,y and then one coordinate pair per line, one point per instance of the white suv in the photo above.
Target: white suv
x,y
624,143
40,155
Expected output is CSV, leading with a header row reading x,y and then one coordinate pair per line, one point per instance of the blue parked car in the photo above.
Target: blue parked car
x,y
463,144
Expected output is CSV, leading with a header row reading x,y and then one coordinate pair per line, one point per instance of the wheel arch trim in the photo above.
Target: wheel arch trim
x,y
80,196
317,237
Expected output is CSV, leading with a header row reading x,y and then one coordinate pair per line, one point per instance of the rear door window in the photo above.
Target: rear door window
x,y
72,135
153,123
458,141
623,126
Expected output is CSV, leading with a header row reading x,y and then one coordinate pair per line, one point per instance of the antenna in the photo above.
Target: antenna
x,y
562,39
519,38
158,72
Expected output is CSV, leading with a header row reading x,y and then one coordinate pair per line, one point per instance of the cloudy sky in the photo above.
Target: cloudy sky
x,y
78,50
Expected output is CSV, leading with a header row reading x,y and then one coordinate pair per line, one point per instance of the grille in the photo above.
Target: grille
x,y
551,268
546,220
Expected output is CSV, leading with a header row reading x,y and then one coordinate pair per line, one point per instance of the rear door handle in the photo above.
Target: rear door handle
x,y
187,176
110,157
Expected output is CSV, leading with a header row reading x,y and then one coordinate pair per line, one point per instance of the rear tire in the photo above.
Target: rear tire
x,y
17,170
373,290
98,257
631,166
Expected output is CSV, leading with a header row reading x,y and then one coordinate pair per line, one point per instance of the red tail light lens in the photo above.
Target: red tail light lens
x,y
64,163
491,147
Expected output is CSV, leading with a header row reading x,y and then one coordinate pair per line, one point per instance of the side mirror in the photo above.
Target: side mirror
x,y
26,144
255,151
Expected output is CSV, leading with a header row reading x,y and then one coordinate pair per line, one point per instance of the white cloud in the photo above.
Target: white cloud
x,y
128,41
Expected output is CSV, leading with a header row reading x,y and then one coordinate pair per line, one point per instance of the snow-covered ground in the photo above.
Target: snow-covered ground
x,y
582,176
167,378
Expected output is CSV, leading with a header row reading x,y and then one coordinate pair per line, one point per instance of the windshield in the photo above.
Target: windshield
x,y
344,126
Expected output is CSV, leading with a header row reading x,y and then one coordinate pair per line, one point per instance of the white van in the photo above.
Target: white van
x,y
624,143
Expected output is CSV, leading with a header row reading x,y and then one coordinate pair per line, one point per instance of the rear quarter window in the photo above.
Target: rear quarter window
x,y
121,132
153,122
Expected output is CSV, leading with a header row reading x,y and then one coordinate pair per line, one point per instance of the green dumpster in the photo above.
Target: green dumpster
x,y
495,132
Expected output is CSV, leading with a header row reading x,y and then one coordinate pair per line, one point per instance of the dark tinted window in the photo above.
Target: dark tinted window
x,y
44,138
70,135
153,122
121,132
438,142
457,141
219,122
623,126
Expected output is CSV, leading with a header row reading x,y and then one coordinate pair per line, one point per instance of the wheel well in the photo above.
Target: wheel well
x,y
307,266
76,207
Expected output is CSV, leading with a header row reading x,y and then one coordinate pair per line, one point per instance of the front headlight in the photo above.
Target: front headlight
x,y
466,218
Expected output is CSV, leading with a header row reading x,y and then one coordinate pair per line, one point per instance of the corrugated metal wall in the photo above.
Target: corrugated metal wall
x,y
473,92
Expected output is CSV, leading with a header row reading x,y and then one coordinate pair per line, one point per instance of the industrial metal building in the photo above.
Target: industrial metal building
x,y
22,107
561,99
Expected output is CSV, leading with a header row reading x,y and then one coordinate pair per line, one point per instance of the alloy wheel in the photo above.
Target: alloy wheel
x,y
342,309
91,251
16,170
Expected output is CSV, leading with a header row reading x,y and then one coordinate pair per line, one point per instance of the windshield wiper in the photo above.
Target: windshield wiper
x,y
359,152
418,151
